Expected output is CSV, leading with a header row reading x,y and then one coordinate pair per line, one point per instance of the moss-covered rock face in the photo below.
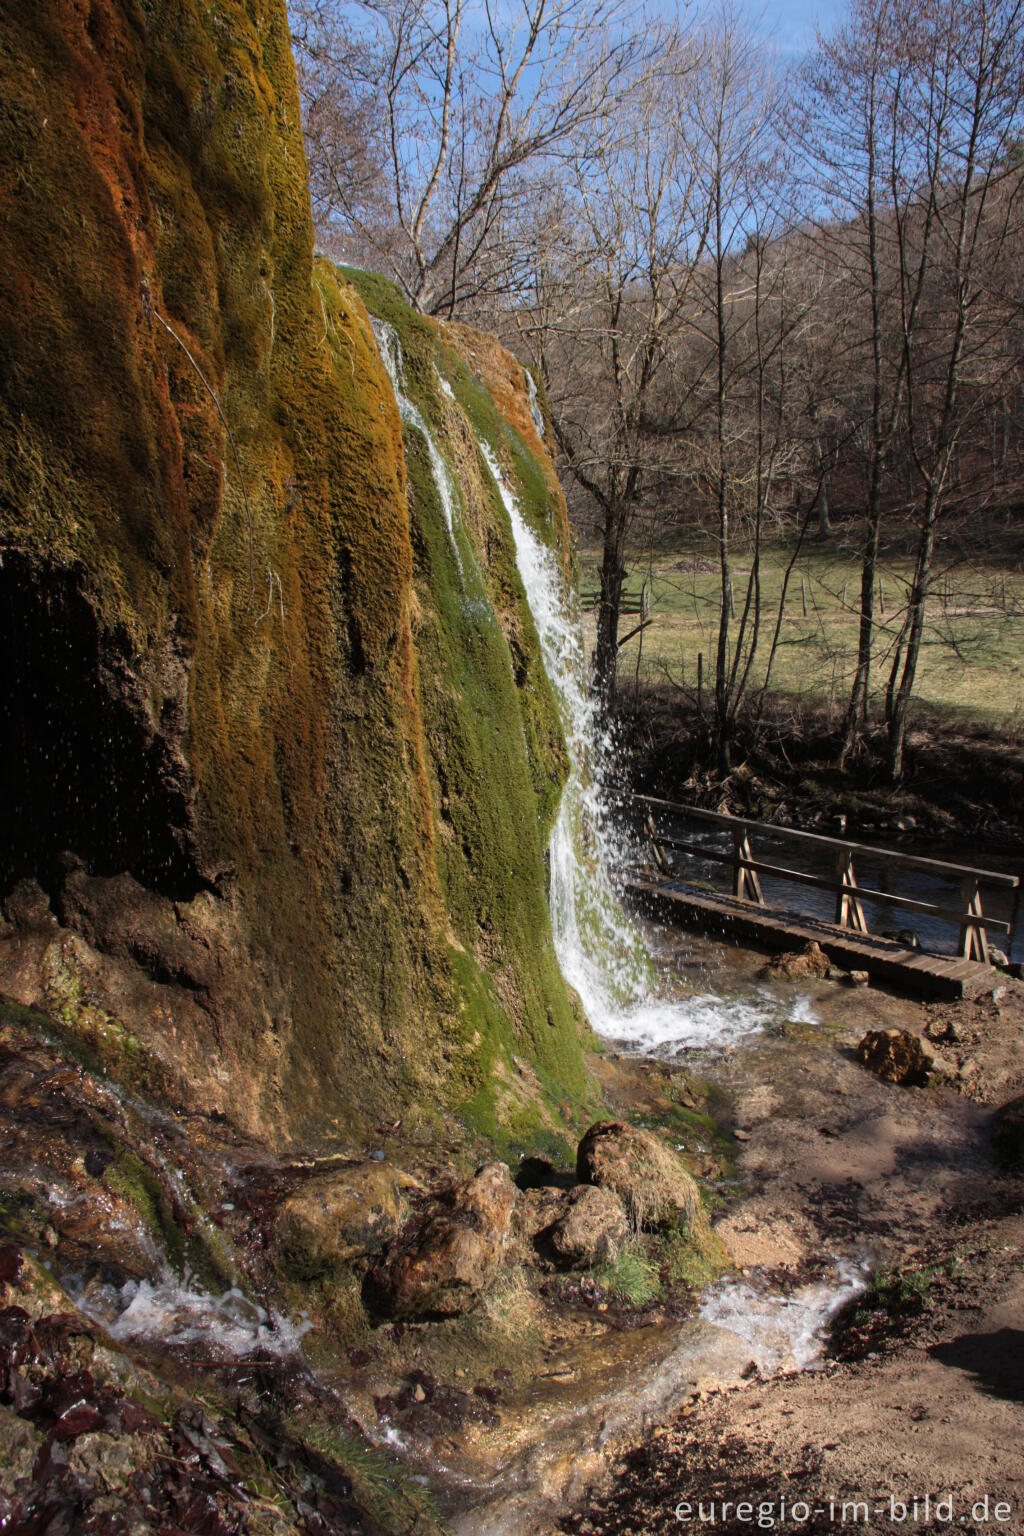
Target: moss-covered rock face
x,y
275,755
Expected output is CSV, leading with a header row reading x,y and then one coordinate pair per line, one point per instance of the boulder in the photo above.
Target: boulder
x,y
536,1211
811,961
591,1231
651,1182
1008,1134
335,1217
897,1056
440,1262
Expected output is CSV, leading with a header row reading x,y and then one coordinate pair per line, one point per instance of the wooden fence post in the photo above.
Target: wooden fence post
x,y
744,880
973,938
849,912
659,852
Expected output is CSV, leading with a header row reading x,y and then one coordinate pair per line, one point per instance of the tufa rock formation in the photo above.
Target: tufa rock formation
x,y
279,774
898,1056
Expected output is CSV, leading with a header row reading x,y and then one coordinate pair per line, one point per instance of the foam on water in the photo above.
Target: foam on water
x,y
178,1313
783,1332
600,952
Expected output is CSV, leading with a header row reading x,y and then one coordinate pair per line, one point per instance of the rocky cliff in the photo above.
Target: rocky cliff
x,y
280,753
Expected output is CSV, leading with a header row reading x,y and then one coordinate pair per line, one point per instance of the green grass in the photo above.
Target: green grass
x,y
972,662
630,1277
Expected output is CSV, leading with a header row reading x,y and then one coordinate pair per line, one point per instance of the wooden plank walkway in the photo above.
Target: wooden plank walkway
x,y
721,916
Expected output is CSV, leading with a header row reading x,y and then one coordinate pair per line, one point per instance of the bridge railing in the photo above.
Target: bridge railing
x,y
850,895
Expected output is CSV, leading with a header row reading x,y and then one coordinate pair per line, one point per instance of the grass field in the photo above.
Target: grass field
x,y
972,664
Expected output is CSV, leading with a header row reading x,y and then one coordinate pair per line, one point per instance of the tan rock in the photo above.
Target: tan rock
x,y
796,966
441,1261
335,1217
897,1056
591,1231
652,1183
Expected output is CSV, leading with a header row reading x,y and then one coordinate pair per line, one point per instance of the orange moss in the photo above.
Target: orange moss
x,y
151,164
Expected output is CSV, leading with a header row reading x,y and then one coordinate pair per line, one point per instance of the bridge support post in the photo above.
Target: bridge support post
x,y
745,883
849,912
973,938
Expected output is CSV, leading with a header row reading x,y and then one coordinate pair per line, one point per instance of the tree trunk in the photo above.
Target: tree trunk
x,y
607,649
824,507
857,711
915,632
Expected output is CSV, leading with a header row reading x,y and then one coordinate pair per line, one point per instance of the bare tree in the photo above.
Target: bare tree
x,y
965,112
910,112
746,320
615,262
457,100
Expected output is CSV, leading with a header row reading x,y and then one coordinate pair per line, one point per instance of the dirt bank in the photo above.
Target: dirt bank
x,y
960,782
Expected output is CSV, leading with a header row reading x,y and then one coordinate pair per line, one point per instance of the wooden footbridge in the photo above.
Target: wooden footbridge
x,y
662,890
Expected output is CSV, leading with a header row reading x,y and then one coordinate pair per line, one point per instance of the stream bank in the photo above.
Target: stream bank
x,y
921,1390
176,1253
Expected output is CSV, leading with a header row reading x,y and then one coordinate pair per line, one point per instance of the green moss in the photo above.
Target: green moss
x,y
130,1177
696,1257
381,1486
373,754
496,762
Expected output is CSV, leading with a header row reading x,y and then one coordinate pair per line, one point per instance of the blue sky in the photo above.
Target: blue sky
x,y
791,23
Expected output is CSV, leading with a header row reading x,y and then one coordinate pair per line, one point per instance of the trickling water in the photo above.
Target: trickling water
x,y
443,384
783,1331
535,411
599,950
179,1313
390,349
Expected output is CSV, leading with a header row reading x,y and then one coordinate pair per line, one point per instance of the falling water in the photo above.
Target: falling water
x,y
390,349
600,952
535,411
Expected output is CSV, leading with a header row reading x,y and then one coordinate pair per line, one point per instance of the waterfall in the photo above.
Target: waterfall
x,y
601,954
390,349
535,412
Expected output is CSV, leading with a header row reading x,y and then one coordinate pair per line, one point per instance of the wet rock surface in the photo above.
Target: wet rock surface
x,y
89,1441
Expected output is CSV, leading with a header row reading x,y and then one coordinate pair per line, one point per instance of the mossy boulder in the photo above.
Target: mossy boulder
x,y
655,1188
333,1218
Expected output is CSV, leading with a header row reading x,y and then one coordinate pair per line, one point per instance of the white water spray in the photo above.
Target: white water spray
x,y
181,1314
390,349
599,950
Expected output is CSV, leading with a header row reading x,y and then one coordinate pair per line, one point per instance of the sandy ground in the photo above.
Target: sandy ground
x,y
926,1399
